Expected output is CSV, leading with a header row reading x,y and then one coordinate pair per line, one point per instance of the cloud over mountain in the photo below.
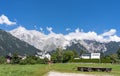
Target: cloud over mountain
x,y
91,35
5,20
49,29
109,33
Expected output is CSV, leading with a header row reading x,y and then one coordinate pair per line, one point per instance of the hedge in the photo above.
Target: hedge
x,y
91,60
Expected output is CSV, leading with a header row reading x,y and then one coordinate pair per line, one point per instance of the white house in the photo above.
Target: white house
x,y
91,56
85,56
95,55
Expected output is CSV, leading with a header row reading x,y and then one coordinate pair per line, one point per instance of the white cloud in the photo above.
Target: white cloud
x,y
41,29
49,29
81,35
109,33
4,20
68,29
35,27
77,30
91,35
114,38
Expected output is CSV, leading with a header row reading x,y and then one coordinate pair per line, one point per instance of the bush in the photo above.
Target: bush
x,y
40,61
33,60
86,60
2,60
23,62
105,60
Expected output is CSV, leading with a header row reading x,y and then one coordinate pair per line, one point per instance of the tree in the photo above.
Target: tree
x,y
114,58
54,57
75,54
67,56
57,56
15,59
60,55
118,53
46,60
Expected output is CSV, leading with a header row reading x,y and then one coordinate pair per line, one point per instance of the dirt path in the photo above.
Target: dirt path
x,y
52,73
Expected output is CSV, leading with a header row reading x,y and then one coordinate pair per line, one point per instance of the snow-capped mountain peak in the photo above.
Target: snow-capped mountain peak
x,y
39,40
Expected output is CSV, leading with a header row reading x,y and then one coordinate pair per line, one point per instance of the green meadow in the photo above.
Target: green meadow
x,y
43,69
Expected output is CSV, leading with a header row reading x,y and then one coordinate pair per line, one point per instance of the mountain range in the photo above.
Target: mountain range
x,y
11,44
51,41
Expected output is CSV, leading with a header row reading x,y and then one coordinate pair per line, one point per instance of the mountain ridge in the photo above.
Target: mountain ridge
x,y
11,44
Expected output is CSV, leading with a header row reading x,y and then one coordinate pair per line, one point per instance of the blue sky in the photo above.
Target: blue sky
x,y
89,15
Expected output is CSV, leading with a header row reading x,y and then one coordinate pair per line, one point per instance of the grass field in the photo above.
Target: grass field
x,y
42,69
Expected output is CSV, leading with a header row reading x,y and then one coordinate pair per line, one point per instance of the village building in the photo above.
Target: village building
x,y
85,56
8,59
90,56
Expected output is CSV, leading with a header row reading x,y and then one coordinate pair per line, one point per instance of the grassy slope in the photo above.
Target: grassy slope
x,y
41,69
22,70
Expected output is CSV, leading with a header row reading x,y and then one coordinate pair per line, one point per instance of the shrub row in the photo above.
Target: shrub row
x,y
91,60
31,60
